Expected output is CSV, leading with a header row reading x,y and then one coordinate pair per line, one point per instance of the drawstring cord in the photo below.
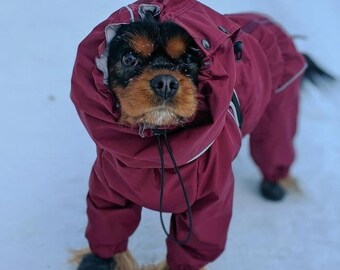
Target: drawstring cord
x,y
160,133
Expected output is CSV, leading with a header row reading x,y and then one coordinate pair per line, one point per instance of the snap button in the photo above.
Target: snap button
x,y
207,64
223,29
206,44
238,50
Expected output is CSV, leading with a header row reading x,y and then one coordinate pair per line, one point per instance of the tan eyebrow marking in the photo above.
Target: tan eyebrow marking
x,y
142,45
175,47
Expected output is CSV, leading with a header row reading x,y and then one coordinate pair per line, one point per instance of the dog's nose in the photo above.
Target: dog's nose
x,y
164,86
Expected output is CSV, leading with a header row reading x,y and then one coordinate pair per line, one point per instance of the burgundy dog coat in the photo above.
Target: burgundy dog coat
x,y
245,54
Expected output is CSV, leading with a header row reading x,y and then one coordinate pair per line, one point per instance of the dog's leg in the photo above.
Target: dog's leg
x,y
271,142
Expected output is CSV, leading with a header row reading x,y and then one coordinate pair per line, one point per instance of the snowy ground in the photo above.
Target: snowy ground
x,y
46,155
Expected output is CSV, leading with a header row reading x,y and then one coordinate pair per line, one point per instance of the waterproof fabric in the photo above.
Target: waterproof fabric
x,y
126,174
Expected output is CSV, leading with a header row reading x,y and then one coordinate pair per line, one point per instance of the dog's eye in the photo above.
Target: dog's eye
x,y
187,59
129,59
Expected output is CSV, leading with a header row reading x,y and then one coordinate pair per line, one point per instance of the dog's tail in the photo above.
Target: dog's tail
x,y
314,73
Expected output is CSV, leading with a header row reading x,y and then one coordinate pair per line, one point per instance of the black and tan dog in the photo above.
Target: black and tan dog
x,y
170,87
153,71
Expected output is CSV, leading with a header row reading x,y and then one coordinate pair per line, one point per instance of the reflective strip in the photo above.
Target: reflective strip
x,y
286,84
236,108
132,17
200,154
234,114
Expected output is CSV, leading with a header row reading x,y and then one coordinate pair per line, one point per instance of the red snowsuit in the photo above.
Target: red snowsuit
x,y
126,173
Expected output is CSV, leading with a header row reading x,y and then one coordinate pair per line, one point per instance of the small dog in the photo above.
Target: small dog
x,y
193,91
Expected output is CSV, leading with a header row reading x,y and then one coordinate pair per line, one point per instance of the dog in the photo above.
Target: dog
x,y
174,88
154,76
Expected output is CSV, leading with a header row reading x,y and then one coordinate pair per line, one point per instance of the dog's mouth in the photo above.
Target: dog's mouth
x,y
162,113
160,116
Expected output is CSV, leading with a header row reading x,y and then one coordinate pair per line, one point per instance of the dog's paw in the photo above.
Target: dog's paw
x,y
125,261
161,266
78,255
290,183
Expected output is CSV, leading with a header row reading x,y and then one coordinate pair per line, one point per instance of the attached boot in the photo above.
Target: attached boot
x,y
93,262
89,261
272,191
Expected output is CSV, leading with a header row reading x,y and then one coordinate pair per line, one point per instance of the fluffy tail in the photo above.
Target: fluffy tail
x,y
315,73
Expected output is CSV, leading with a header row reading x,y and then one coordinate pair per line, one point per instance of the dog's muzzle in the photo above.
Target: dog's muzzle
x,y
164,86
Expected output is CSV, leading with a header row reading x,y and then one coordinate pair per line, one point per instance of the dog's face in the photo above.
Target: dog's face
x,y
153,71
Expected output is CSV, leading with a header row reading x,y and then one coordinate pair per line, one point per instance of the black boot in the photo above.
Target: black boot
x,y
93,262
272,190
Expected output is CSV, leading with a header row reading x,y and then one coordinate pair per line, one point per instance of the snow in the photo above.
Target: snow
x,y
46,154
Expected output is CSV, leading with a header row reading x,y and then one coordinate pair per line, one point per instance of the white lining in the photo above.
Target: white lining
x,y
156,10
291,80
101,62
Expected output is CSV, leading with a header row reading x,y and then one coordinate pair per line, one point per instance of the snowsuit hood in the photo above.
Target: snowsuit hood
x,y
136,146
